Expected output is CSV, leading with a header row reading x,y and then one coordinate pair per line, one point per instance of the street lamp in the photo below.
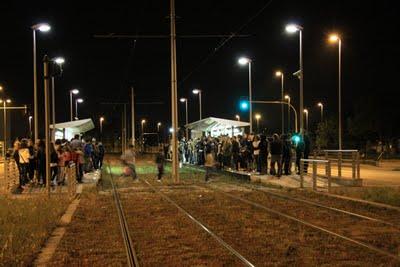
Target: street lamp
x,y
158,126
72,92
322,110
306,113
198,92
30,126
258,117
237,117
101,125
184,100
59,61
42,27
79,100
5,101
287,97
246,61
335,38
293,28
281,75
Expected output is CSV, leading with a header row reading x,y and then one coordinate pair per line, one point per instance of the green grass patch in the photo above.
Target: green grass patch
x,y
25,225
385,195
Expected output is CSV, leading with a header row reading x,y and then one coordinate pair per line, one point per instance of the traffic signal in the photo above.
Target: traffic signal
x,y
296,138
244,105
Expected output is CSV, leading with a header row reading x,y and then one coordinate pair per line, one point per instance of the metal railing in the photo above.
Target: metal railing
x,y
344,160
314,162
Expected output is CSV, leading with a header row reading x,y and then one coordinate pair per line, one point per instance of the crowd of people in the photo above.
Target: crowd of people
x,y
247,152
30,158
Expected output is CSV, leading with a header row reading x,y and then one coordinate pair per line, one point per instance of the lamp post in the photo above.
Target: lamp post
x,y
293,28
306,113
30,126
142,122
72,92
5,102
185,100
59,61
42,27
237,117
281,75
198,92
334,38
79,100
158,126
246,61
322,110
258,117
101,126
287,97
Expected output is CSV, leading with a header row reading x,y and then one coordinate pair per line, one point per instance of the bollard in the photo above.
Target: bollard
x,y
328,175
353,165
301,173
314,175
340,164
358,164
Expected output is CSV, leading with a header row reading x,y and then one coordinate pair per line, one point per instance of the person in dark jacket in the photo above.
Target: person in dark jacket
x,y
101,154
286,154
160,160
53,164
263,157
41,162
276,155
235,153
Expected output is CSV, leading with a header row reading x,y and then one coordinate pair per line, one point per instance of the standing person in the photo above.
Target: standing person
x,y
16,147
88,150
129,159
101,154
209,160
250,159
286,154
31,167
23,154
263,154
76,142
41,162
53,164
235,153
79,164
227,152
160,160
276,155
256,153
95,154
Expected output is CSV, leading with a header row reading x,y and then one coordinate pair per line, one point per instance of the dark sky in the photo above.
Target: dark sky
x,y
104,69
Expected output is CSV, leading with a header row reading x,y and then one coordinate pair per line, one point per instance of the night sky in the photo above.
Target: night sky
x,y
104,69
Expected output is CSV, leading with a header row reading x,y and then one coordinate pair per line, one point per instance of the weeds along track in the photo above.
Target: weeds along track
x,y
369,233
129,246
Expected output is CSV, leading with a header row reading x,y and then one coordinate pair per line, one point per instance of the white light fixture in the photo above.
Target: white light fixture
x,y
292,28
59,60
243,61
75,91
79,100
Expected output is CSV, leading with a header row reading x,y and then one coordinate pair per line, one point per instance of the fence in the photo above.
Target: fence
x,y
346,161
9,178
314,163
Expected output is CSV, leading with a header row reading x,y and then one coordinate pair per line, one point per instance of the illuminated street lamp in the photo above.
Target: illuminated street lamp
x,y
42,27
4,102
293,28
335,38
158,126
306,113
101,125
287,97
198,92
30,125
281,75
246,61
322,110
237,117
79,100
72,92
59,61
184,100
258,117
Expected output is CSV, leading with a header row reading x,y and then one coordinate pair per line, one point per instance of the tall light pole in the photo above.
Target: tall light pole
x,y
306,113
72,92
59,61
293,28
185,100
334,38
247,61
79,100
30,126
158,126
42,27
287,97
258,117
281,75
142,122
198,92
237,117
322,110
5,102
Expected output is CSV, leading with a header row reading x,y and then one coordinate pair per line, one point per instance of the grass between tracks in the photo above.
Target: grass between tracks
x,y
385,195
25,225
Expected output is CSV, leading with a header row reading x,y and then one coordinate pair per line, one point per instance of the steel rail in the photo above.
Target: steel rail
x,y
311,225
129,246
201,225
313,203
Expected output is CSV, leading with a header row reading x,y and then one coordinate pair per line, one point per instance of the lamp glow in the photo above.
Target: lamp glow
x,y
79,100
243,61
59,60
278,73
258,116
333,38
196,91
183,99
287,97
43,27
75,91
292,28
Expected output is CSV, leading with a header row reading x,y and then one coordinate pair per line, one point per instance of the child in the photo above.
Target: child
x,y
160,159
